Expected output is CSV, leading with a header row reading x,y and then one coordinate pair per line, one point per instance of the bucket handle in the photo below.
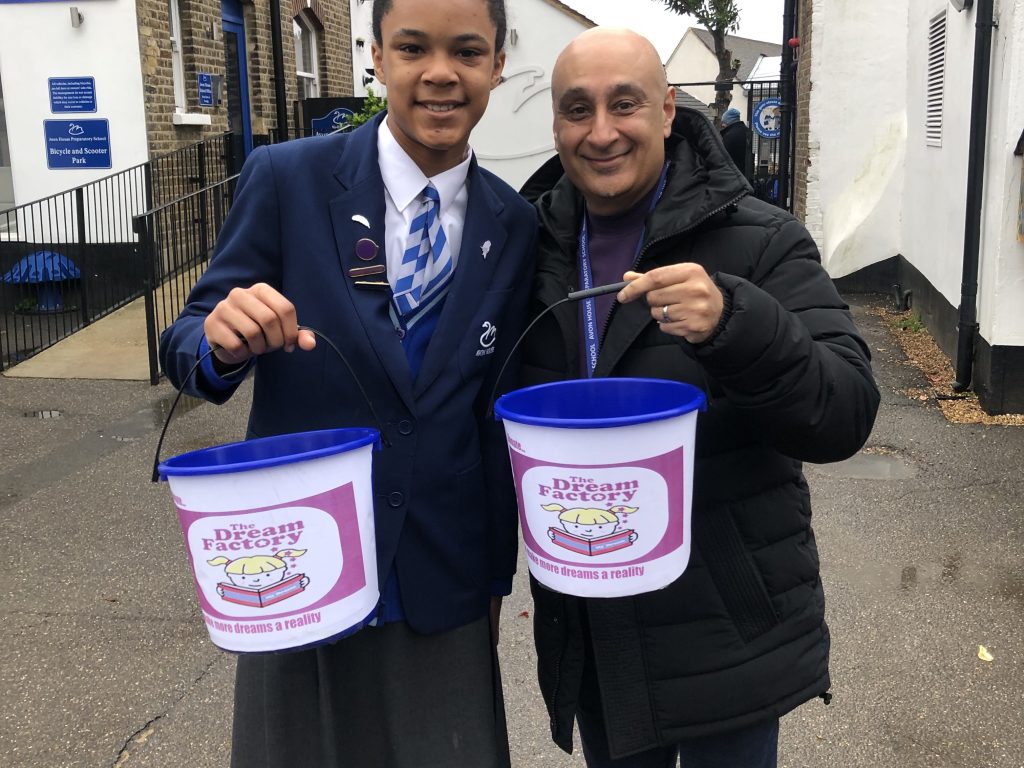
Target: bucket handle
x,y
195,367
598,290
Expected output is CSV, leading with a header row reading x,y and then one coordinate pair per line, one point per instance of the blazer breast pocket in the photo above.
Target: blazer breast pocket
x,y
481,346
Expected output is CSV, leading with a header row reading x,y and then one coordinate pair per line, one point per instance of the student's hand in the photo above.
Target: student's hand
x,y
252,321
682,292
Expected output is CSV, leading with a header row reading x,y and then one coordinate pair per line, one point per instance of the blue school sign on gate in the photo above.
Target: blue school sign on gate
x,y
77,144
767,118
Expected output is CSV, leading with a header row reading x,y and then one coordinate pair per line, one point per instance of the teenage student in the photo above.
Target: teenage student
x,y
393,243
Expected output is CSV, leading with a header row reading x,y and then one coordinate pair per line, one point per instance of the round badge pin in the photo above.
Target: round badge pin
x,y
366,249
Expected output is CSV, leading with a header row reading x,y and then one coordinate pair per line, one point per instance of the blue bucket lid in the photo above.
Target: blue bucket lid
x,y
268,452
599,403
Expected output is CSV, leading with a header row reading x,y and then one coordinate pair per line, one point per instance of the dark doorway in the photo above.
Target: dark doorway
x,y
236,80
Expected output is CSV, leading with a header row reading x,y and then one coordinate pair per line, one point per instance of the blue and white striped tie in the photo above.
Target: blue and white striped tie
x,y
427,263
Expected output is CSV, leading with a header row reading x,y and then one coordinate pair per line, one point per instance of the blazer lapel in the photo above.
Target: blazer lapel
x,y
472,277
363,196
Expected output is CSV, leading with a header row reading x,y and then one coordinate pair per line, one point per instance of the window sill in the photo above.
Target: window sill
x,y
190,118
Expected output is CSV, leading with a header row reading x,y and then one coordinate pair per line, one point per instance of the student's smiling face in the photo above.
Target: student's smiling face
x,y
439,63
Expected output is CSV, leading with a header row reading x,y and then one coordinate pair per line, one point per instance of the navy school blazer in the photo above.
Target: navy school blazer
x,y
444,504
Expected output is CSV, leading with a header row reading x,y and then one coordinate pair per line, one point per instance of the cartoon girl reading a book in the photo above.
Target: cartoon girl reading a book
x,y
254,574
591,531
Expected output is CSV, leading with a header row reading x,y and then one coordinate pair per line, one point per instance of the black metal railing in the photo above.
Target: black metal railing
x,y
67,260
183,171
176,240
71,258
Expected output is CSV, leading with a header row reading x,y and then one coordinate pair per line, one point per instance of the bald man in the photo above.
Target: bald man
x,y
727,293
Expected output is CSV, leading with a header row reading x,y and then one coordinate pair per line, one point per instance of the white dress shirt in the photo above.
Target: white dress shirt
x,y
403,183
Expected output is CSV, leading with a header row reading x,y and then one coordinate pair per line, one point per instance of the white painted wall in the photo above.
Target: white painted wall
x,y
858,131
875,188
37,42
362,59
936,178
1001,282
514,137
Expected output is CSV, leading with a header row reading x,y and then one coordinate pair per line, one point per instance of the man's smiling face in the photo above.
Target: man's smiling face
x,y
613,111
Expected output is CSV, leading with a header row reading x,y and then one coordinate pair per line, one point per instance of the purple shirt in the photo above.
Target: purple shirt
x,y
613,244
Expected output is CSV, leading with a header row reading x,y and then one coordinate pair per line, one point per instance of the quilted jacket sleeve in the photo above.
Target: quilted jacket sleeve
x,y
789,355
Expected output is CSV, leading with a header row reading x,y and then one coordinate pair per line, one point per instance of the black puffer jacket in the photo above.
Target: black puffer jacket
x,y
741,635
734,137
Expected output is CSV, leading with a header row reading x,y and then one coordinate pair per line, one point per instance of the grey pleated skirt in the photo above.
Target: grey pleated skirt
x,y
383,698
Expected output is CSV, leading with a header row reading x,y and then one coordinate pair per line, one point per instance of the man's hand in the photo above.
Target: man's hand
x,y
252,321
683,299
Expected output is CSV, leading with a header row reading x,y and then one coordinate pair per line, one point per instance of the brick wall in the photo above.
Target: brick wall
x,y
203,51
803,103
335,26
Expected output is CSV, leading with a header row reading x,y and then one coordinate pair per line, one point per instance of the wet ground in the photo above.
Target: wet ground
x,y
105,661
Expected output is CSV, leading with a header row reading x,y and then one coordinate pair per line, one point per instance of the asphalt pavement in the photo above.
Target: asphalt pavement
x,y
106,662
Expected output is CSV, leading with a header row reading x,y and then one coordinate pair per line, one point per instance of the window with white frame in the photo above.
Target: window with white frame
x,y
307,56
936,79
177,60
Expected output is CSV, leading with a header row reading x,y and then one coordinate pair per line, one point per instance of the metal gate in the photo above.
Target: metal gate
x,y
764,118
765,122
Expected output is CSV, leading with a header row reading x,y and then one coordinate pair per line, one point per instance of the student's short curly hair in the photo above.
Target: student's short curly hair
x,y
496,8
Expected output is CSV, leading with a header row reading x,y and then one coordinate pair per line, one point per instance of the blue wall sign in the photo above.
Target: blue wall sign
x,y
768,118
72,94
205,89
77,144
332,122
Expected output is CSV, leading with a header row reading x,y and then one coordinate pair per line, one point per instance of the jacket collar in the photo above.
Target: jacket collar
x,y
702,181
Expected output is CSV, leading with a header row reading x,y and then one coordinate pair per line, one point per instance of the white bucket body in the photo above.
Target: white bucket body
x,y
605,512
283,556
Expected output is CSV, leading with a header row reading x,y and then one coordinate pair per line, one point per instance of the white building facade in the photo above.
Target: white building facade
x,y
887,167
77,86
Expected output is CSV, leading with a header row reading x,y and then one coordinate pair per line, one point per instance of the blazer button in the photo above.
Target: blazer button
x,y
395,499
400,333
405,427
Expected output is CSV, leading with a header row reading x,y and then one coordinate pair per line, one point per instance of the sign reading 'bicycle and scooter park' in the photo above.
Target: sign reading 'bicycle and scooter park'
x,y
77,144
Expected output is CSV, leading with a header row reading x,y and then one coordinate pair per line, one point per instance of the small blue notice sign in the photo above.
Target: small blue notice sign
x,y
77,144
72,94
205,89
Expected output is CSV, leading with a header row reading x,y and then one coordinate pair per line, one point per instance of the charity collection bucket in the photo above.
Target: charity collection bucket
x,y
279,533
603,470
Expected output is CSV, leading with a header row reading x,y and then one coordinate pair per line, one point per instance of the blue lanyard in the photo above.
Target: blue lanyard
x,y
590,326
